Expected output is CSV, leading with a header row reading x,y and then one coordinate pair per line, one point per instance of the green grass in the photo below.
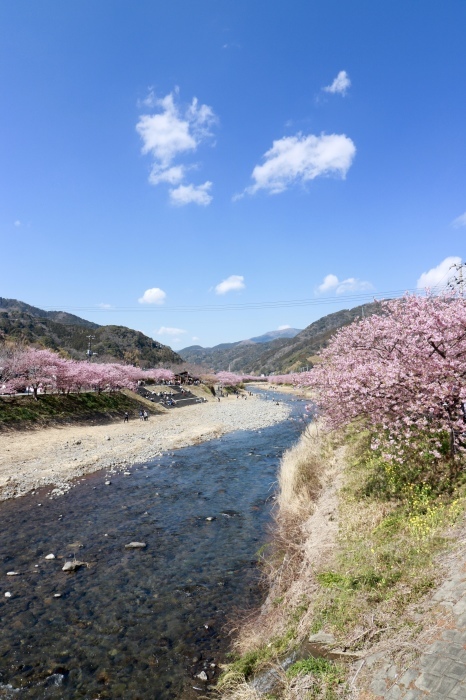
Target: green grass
x,y
249,663
20,412
325,677
391,530
393,522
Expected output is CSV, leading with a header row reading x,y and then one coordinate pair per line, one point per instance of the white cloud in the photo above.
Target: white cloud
x,y
300,158
172,175
231,284
153,296
191,194
351,284
17,223
166,330
440,275
340,85
459,221
330,282
170,132
105,306
195,337
283,328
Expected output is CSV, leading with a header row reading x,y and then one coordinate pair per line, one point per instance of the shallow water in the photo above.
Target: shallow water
x,y
137,624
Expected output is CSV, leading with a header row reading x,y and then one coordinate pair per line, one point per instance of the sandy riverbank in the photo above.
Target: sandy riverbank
x,y
55,456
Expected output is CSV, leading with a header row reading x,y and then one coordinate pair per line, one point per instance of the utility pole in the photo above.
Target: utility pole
x,y
90,338
458,281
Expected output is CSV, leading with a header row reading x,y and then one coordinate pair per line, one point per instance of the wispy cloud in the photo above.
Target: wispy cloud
x,y
460,221
153,296
191,194
167,330
300,158
340,85
17,223
105,306
331,283
171,131
234,283
283,328
438,276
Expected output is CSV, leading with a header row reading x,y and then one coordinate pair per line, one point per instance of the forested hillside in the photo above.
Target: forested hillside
x,y
65,332
280,355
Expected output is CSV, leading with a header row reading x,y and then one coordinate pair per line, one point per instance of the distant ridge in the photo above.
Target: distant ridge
x,y
68,334
273,335
58,316
265,355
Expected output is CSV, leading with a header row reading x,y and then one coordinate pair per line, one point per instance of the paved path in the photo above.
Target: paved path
x,y
440,672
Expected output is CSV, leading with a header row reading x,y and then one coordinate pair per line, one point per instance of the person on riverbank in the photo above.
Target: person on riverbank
x,y
126,419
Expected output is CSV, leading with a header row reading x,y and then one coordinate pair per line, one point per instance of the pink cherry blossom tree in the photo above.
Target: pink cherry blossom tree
x,y
401,373
32,368
228,378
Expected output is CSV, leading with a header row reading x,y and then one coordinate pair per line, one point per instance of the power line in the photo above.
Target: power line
x,y
290,303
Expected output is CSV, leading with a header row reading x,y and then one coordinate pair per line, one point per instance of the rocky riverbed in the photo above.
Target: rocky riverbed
x,y
30,460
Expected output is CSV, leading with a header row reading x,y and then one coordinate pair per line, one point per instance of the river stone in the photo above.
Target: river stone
x,y
135,545
202,676
8,594
210,518
12,573
50,556
73,565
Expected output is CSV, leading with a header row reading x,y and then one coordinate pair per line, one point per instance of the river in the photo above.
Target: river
x,y
138,624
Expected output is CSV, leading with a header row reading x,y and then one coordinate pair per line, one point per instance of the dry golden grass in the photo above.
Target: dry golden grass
x,y
301,473
303,534
346,559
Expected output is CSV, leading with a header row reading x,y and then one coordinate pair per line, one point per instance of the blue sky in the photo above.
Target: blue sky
x,y
204,154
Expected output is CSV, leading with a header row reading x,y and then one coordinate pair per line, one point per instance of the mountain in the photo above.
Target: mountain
x,y
301,350
279,355
58,316
65,332
235,355
273,335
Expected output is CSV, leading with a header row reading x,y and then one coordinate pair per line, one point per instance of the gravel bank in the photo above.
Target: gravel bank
x,y
55,456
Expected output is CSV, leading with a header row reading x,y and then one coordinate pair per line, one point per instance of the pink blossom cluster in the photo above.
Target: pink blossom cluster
x,y
228,378
45,371
291,379
232,379
401,372
253,378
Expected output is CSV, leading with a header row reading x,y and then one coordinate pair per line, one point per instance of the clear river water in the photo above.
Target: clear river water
x,y
138,624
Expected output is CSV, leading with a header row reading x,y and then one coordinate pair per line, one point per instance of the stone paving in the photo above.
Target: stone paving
x,y
440,672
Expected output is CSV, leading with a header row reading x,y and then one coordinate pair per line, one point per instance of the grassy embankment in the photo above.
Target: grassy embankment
x,y
354,554
24,412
